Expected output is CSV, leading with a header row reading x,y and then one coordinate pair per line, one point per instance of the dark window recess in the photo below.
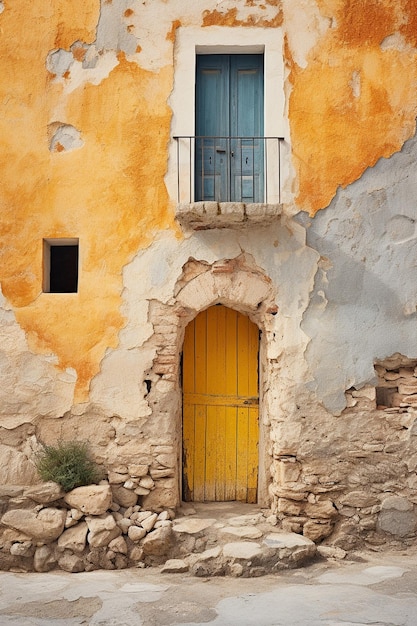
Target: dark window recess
x,y
63,277
385,396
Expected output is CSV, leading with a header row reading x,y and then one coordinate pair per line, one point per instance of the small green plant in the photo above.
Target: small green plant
x,y
68,464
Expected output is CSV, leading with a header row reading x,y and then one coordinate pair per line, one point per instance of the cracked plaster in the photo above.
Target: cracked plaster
x,y
366,293
31,384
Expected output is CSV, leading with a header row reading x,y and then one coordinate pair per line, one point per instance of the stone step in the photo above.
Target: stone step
x,y
208,547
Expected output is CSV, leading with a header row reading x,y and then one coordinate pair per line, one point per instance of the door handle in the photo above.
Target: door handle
x,y
251,401
220,150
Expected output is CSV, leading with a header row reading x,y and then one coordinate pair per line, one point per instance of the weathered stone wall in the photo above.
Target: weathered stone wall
x,y
98,526
350,477
90,104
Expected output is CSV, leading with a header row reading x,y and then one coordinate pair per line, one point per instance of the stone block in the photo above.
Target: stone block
x,y
75,538
117,479
11,491
316,531
397,523
44,559
243,532
286,540
45,525
410,399
359,499
368,523
102,530
397,517
295,493
331,552
73,516
124,525
147,482
118,545
290,507
242,550
121,561
24,548
192,526
167,460
157,542
161,498
149,522
136,533
286,471
44,493
396,503
367,392
71,563
160,524
124,497
10,535
16,469
91,499
249,519
130,484
136,554
347,511
408,389
161,473
137,471
174,566
141,491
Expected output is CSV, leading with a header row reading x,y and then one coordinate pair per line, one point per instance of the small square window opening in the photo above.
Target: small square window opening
x,y
60,265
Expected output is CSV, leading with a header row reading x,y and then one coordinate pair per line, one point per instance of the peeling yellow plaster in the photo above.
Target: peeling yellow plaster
x,y
354,102
110,193
338,130
230,18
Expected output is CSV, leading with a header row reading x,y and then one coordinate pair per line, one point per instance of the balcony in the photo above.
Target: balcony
x,y
225,182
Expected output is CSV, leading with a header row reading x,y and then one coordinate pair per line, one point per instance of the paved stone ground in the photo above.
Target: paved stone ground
x,y
375,589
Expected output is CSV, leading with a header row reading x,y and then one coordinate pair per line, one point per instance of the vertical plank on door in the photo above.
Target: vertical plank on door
x,y
200,351
211,426
253,414
218,364
188,413
231,411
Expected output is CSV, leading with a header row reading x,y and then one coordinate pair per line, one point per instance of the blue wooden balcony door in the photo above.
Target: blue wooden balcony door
x,y
229,159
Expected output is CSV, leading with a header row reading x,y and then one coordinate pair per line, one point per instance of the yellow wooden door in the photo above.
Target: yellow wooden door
x,y
220,407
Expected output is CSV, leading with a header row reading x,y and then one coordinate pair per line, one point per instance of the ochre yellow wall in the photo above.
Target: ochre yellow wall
x,y
111,192
336,134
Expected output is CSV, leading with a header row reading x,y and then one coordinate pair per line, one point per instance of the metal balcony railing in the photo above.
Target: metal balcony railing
x,y
229,169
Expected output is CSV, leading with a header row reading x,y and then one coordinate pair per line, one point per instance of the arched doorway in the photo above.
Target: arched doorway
x,y
220,407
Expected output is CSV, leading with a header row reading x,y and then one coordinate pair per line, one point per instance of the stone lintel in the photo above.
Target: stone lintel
x,y
208,215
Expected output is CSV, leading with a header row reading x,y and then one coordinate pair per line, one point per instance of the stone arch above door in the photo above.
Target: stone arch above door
x,y
238,284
